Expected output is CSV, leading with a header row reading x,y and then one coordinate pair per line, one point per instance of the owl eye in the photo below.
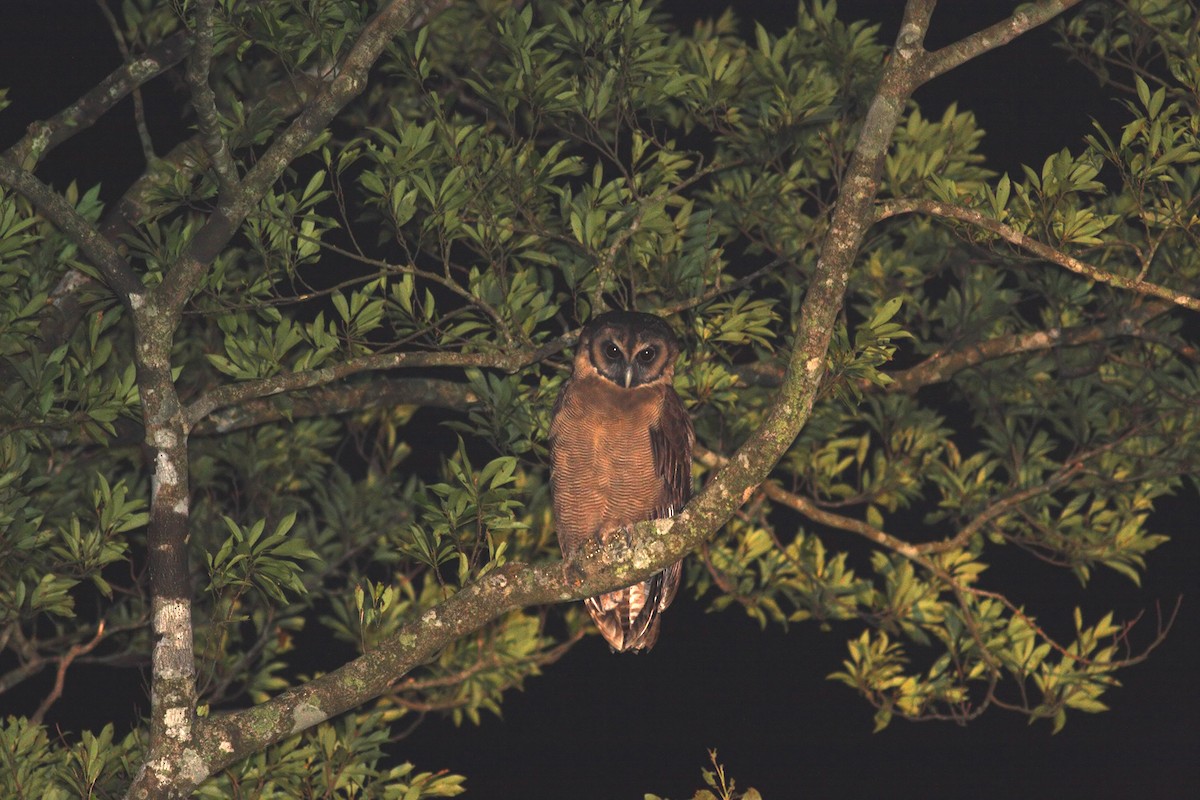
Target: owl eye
x,y
611,351
646,356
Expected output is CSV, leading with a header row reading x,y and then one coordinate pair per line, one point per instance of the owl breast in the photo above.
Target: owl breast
x,y
603,470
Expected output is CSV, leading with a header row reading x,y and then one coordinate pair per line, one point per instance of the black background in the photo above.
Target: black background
x,y
598,725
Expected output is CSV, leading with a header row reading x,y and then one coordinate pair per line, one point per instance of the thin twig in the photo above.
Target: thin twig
x,y
64,661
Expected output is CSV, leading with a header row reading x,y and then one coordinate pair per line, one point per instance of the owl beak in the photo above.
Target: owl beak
x,y
628,376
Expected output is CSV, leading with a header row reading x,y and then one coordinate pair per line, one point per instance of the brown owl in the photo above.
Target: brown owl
x,y
621,452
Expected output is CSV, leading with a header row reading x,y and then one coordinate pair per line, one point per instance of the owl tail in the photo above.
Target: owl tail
x,y
628,618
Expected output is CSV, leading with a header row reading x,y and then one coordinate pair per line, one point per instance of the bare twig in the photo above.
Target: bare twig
x,y
139,109
64,662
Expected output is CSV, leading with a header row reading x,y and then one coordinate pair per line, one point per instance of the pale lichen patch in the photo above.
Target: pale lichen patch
x,y
163,438
165,473
172,651
192,767
306,715
176,720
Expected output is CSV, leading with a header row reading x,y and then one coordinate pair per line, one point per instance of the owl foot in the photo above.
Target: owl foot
x,y
573,574
604,538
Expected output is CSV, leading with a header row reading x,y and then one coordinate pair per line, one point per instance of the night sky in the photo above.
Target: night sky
x,y
598,725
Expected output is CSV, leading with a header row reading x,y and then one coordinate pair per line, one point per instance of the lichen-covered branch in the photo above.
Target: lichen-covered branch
x,y
171,766
1044,251
204,101
1024,19
173,665
84,112
99,250
325,400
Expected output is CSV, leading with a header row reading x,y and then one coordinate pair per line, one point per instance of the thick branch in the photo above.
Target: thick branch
x,y
247,391
328,400
1013,236
204,100
1026,18
172,682
171,767
222,740
54,207
84,112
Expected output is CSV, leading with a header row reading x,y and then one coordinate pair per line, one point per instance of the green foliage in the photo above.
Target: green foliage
x,y
720,787
344,759
269,564
339,760
98,765
383,340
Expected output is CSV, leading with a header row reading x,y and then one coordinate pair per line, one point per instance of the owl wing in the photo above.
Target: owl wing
x,y
671,441
572,522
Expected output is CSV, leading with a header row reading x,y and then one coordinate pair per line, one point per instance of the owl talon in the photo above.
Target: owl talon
x,y
573,574
626,532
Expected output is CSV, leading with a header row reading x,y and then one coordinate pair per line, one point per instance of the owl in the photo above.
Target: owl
x,y
620,453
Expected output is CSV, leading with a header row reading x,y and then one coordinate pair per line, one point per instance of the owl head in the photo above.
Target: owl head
x,y
628,348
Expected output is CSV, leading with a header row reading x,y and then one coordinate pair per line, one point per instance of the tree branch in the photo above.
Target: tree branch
x,y
54,207
942,366
328,400
1026,18
171,767
84,112
60,677
204,100
348,81
246,391
891,208
173,663
139,109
